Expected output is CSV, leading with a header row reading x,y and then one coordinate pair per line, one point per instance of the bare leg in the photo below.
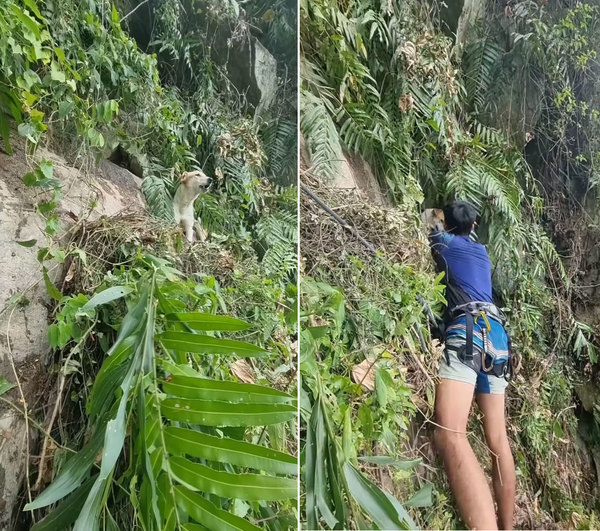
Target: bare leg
x,y
503,469
467,481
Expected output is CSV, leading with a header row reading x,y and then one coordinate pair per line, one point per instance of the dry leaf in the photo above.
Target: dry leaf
x,y
71,272
364,374
406,102
243,371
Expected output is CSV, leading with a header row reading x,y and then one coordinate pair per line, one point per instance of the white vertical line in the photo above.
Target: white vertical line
x,y
298,245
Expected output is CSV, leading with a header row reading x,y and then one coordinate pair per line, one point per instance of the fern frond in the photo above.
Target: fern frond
x,y
481,62
279,143
157,196
321,136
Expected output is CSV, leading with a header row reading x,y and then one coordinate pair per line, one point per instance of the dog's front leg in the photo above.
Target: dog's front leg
x,y
188,229
200,232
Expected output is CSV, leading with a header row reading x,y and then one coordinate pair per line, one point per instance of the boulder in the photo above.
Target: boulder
x,y
250,66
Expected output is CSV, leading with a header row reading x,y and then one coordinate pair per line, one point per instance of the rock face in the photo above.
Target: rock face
x,y
355,173
250,67
108,190
253,71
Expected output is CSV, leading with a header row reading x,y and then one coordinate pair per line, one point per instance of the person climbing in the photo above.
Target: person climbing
x,y
476,359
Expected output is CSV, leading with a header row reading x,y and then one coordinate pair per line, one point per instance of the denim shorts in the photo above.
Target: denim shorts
x,y
483,383
457,370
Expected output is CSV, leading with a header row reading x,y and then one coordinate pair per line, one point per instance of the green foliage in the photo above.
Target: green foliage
x,y
323,140
72,66
330,480
383,81
374,317
72,75
167,430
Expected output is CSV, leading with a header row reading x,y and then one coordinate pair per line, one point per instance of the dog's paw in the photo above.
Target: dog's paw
x,y
201,234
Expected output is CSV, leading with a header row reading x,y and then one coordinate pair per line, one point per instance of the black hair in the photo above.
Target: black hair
x,y
459,217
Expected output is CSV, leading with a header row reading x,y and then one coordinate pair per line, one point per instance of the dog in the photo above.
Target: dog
x,y
193,183
433,219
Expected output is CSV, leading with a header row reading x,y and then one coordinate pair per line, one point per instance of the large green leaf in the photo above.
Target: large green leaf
x,y
151,457
106,296
131,322
310,467
66,512
208,514
190,387
225,450
422,498
243,486
113,445
209,413
322,470
109,378
72,475
207,321
375,502
202,344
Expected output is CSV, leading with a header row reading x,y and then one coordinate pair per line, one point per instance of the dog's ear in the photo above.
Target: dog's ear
x,y
185,176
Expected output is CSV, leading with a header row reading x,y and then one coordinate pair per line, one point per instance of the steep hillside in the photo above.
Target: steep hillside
x,y
494,103
114,332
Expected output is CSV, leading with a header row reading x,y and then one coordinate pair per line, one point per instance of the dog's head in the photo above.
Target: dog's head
x,y
433,219
196,181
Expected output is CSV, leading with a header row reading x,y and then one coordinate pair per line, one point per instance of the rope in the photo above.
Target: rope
x,y
373,250
337,218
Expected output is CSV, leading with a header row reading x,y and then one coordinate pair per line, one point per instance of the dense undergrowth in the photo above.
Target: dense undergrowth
x,y
505,118
145,327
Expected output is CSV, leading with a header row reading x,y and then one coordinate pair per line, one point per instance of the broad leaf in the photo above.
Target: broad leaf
x,y
106,296
208,514
109,377
201,344
209,413
66,512
252,487
113,444
52,290
27,243
207,321
422,498
131,321
375,502
224,450
72,475
189,387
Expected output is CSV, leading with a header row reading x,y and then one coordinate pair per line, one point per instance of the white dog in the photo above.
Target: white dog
x,y
193,183
433,219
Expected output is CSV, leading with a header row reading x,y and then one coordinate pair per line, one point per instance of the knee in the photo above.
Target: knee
x,y
446,439
497,442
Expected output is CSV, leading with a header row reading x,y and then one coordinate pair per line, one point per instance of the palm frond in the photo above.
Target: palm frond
x,y
321,135
481,62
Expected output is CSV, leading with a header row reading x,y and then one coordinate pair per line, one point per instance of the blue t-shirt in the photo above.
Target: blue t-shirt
x,y
468,263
